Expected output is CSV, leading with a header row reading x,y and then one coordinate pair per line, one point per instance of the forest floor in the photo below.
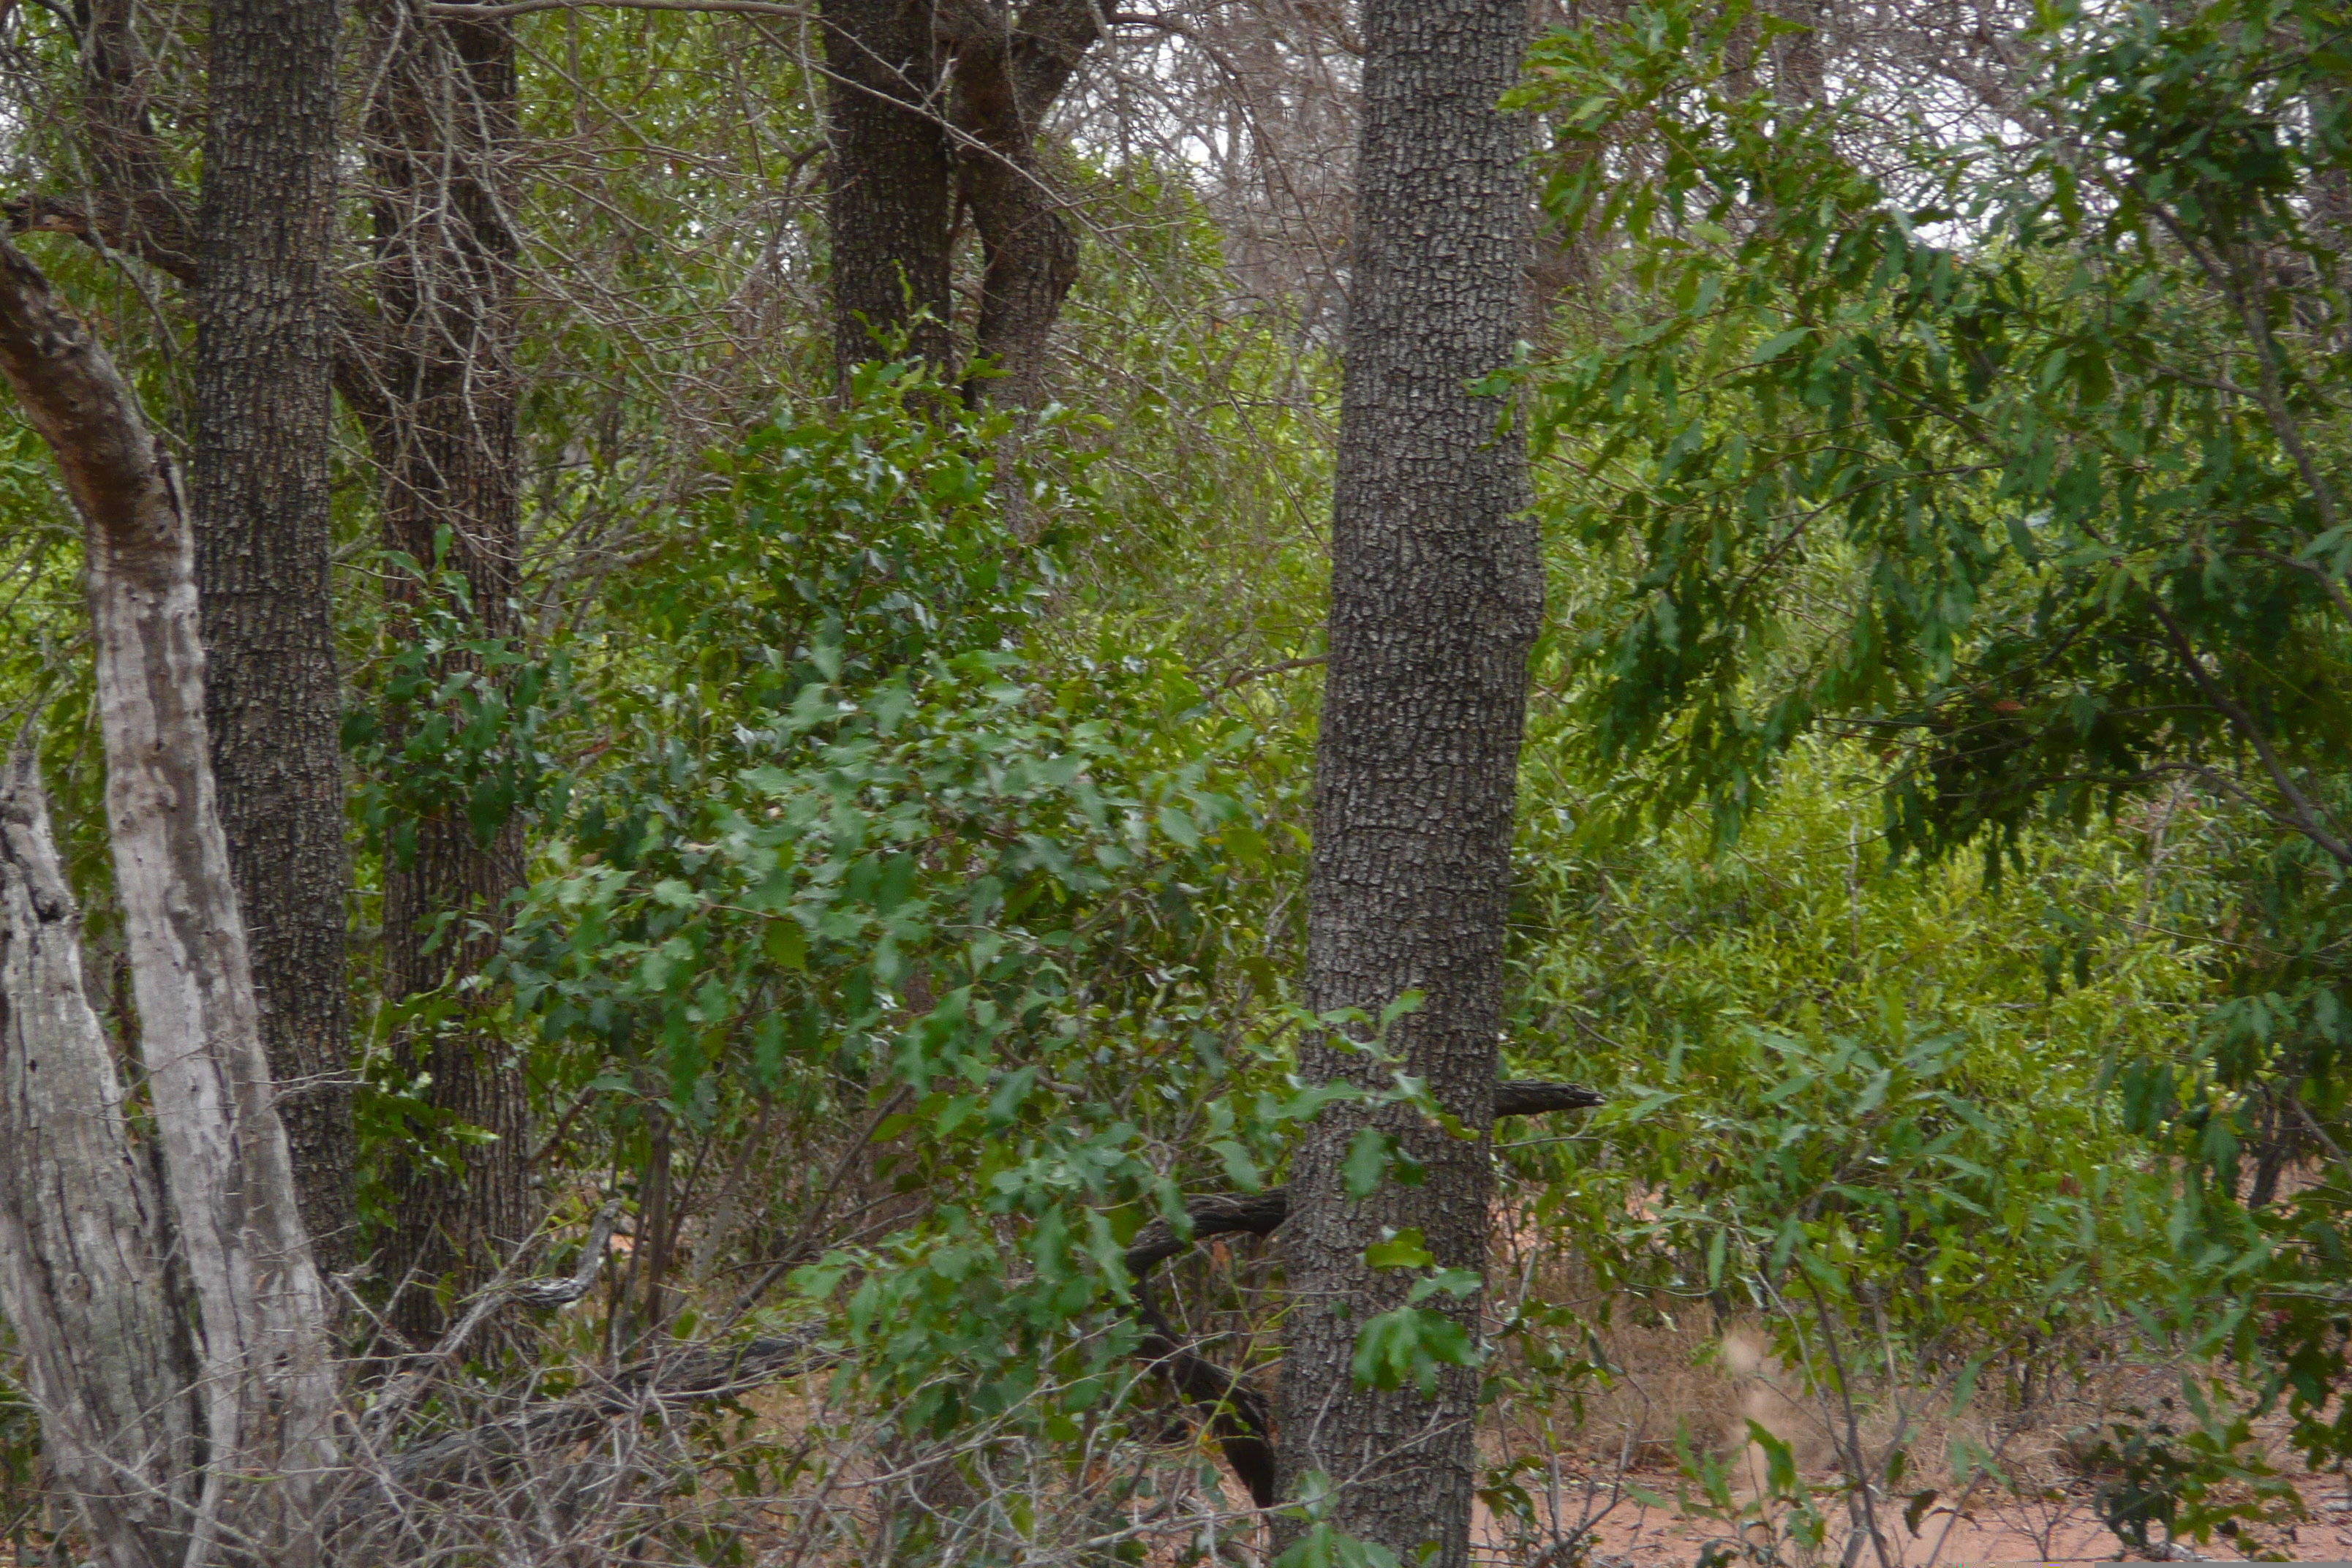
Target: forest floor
x,y
1681,1376
2057,1526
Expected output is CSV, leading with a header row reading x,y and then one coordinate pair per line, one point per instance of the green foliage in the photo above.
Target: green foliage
x,y
1827,1075
1213,424
1933,813
2210,1479
1323,1545
2047,489
859,852
2017,465
460,723
1780,1514
45,675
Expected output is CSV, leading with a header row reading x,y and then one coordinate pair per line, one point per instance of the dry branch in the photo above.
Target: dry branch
x,y
480,1456
1239,1416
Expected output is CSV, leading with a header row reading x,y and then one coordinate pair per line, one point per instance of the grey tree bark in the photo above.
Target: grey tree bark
x,y
82,1263
914,142
1436,594
442,424
255,261
264,1385
265,355
887,202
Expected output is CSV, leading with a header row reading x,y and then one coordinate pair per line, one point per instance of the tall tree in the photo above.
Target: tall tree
x,y
1010,67
1436,593
442,424
256,261
915,140
264,358
891,182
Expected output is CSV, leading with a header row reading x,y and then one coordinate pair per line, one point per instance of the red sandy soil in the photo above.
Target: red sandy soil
x,y
2059,1527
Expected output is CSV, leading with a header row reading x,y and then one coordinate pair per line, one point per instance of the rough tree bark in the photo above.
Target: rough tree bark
x,y
265,1386
1010,67
912,141
265,348
891,182
444,436
1436,593
260,499
82,1259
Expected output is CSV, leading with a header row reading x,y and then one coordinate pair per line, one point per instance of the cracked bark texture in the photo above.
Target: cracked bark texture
x,y
887,200
443,433
1436,594
82,1254
265,351
265,1383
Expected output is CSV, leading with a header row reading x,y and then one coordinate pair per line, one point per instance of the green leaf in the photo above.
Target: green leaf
x,y
1239,1166
786,943
1459,1283
1403,1249
1409,1345
1367,1157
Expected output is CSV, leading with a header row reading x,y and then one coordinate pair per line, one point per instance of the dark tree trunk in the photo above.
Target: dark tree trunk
x,y
264,354
443,435
1009,70
131,199
1436,593
908,143
891,180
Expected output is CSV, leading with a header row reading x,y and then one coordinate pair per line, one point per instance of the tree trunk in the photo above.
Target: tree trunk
x,y
107,1358
265,1383
1009,70
907,144
1436,594
130,198
887,207
265,351
446,441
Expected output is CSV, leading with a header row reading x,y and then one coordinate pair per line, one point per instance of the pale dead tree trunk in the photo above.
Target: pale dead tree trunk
x,y
264,1384
107,1357
1436,594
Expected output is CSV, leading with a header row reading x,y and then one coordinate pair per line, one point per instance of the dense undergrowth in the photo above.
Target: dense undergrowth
x,y
915,905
